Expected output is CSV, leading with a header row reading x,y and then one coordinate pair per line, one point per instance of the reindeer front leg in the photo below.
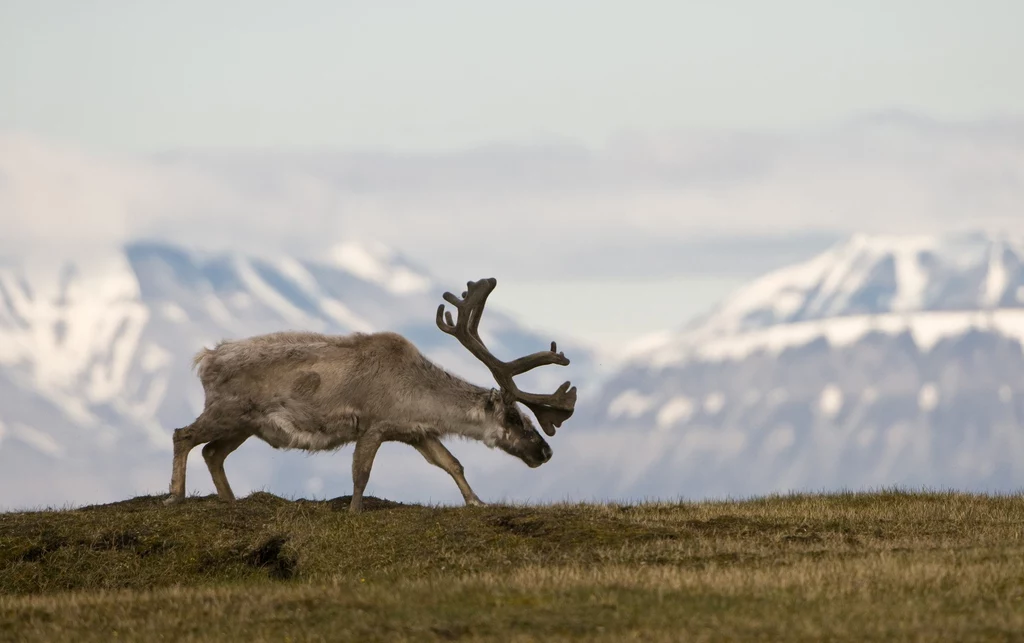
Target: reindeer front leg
x,y
362,462
438,455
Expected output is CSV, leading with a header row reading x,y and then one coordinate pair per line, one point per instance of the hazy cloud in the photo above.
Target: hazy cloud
x,y
644,205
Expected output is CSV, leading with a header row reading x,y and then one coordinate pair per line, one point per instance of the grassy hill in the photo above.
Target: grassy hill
x,y
886,566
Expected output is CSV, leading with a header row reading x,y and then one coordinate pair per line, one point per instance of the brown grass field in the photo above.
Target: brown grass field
x,y
887,566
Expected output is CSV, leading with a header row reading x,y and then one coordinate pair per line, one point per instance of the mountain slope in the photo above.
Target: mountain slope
x,y
884,360
95,357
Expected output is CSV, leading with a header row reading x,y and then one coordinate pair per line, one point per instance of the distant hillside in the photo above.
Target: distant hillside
x,y
95,358
884,360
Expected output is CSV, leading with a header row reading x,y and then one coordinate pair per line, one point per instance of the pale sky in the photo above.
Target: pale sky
x,y
648,133
148,75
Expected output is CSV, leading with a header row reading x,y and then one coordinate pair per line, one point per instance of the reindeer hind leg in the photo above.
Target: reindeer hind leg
x,y
206,428
184,442
215,452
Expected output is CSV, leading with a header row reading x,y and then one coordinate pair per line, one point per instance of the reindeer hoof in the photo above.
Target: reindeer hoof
x,y
475,502
173,500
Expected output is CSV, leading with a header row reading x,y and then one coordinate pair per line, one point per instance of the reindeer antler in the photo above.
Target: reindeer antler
x,y
551,410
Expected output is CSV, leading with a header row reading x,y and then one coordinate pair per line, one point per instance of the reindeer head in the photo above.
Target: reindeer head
x,y
518,437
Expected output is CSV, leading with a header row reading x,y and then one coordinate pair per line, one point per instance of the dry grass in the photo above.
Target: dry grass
x,y
885,566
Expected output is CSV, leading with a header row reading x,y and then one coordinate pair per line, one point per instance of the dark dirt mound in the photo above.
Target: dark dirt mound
x,y
257,498
370,503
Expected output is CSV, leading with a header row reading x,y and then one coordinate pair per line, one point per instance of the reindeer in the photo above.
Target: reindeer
x,y
316,392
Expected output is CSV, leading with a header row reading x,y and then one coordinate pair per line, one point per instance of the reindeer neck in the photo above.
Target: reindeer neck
x,y
452,404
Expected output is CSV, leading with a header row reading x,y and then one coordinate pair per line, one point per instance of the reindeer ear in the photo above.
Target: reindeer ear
x,y
493,397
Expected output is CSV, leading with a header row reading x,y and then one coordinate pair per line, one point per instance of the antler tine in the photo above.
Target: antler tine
x,y
551,410
477,293
444,320
540,358
473,301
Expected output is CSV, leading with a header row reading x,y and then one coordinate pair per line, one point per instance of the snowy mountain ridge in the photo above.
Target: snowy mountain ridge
x,y
95,351
79,325
928,286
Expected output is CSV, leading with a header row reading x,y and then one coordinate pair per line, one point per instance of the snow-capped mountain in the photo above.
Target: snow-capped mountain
x,y
95,359
933,287
884,360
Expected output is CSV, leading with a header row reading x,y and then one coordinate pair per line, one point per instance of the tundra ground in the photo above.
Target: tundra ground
x,y
888,566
